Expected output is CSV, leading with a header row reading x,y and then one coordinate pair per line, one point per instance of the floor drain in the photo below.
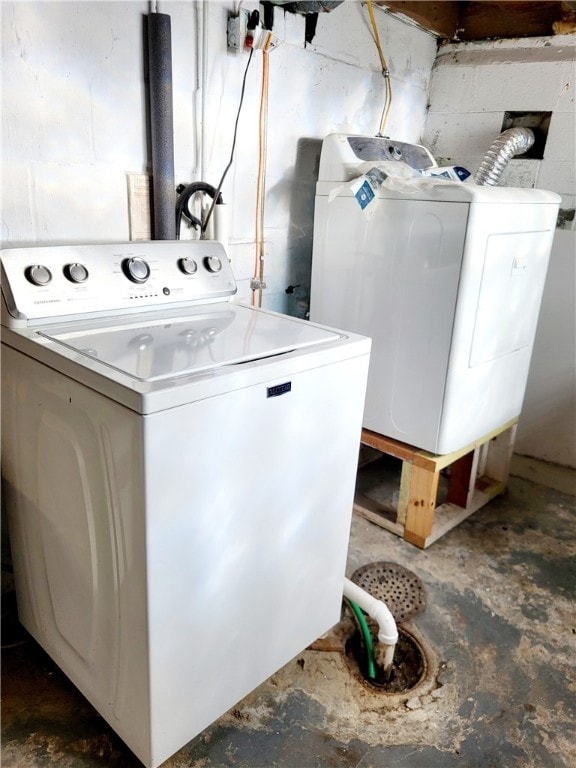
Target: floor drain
x,y
409,669
399,588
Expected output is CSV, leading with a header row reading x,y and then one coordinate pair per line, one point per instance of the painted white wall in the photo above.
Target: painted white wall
x,y
472,85
74,119
547,429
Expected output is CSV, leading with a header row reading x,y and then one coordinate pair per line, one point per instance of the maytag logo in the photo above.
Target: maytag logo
x,y
279,389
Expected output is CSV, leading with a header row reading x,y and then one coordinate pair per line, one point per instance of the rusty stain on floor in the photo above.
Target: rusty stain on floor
x,y
500,623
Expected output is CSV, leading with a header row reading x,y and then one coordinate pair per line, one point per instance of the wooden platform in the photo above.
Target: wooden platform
x,y
477,473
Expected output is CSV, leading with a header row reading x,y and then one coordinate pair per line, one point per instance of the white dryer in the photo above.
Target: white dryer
x,y
178,472
446,280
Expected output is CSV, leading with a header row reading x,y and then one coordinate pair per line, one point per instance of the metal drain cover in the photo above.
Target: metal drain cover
x,y
399,588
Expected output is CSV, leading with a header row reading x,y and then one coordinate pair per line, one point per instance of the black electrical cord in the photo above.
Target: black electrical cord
x,y
219,187
187,192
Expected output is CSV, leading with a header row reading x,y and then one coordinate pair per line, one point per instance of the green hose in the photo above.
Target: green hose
x,y
366,635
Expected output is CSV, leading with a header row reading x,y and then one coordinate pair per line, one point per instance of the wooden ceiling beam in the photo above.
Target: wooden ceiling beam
x,y
488,19
484,19
440,18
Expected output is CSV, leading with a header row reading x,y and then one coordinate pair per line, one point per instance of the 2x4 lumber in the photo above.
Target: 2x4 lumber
x,y
417,517
500,455
424,459
460,480
421,505
376,513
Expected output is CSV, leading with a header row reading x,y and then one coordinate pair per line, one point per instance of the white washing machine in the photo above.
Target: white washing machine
x,y
178,472
446,280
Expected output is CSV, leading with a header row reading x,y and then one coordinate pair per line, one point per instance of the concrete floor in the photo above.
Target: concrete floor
x,y
501,626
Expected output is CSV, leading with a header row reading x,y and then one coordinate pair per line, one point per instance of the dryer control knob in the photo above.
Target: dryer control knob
x,y
76,273
213,263
136,269
37,274
188,266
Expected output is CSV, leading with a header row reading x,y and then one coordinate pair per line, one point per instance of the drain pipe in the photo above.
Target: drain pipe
x,y
514,141
379,611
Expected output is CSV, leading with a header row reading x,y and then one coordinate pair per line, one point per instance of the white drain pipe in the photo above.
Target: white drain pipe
x,y
379,611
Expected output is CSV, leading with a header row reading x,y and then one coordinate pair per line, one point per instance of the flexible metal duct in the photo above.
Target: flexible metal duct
x,y
161,126
514,141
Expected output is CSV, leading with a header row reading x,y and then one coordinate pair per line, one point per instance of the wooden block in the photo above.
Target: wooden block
x,y
461,480
500,454
421,504
404,495
371,510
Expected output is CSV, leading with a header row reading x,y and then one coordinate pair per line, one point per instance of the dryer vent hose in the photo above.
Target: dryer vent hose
x,y
514,141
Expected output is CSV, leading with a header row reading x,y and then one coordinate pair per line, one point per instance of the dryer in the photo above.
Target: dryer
x,y
178,472
447,279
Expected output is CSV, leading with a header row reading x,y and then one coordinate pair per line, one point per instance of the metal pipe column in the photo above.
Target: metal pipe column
x,y
161,126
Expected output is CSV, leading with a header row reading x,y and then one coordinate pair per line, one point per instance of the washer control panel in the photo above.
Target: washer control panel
x,y
59,281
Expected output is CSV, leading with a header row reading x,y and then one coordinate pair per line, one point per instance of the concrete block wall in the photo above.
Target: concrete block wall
x,y
472,86
74,119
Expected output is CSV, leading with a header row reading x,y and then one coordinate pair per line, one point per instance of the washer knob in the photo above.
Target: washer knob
x,y
188,266
136,269
37,274
213,263
76,273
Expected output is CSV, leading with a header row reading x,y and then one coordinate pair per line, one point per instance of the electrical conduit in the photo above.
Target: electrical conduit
x,y
379,611
385,71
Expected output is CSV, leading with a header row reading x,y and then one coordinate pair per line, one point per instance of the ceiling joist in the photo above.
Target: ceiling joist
x,y
460,20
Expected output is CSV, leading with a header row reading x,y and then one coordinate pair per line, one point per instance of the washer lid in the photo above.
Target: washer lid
x,y
203,339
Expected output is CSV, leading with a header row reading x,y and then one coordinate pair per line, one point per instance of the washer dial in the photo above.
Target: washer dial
x,y
136,269
212,263
76,273
38,274
188,266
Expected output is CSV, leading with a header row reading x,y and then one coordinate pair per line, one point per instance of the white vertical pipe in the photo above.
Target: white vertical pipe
x,y
376,609
204,86
220,219
198,90
387,629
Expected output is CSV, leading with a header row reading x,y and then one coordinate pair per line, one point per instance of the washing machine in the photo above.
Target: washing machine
x,y
445,277
178,472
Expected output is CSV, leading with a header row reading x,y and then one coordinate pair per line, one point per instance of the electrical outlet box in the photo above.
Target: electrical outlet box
x,y
241,39
236,31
